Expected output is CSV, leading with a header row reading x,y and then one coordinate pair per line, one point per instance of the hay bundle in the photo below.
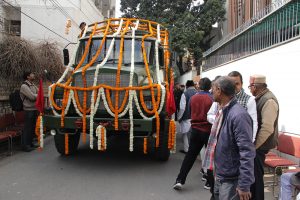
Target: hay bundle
x,y
50,59
17,55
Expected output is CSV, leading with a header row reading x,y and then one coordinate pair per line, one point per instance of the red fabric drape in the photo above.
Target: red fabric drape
x,y
39,104
171,107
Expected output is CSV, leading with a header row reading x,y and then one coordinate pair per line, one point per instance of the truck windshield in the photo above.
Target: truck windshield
x,y
114,55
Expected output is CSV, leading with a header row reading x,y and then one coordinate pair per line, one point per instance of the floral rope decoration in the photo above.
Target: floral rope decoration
x,y
115,28
66,144
39,131
151,84
171,136
100,90
101,134
145,145
118,76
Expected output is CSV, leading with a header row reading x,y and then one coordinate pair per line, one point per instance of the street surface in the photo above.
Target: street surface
x,y
89,175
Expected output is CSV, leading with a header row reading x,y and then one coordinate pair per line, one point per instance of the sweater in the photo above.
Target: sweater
x,y
200,103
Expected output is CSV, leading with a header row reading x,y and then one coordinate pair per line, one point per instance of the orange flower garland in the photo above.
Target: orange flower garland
x,y
145,145
118,76
172,132
103,146
37,128
66,144
109,27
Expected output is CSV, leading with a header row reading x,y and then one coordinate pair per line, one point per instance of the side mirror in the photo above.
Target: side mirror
x,y
161,57
66,56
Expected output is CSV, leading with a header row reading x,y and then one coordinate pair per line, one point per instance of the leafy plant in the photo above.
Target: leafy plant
x,y
189,23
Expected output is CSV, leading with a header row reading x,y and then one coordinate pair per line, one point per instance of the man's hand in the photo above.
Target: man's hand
x,y
243,195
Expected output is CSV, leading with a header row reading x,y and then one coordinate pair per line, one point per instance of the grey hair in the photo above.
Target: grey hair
x,y
226,85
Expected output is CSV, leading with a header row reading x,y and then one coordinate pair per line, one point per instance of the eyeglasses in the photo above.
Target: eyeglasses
x,y
249,87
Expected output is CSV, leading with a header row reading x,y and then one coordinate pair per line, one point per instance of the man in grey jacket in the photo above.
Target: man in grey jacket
x,y
234,151
28,93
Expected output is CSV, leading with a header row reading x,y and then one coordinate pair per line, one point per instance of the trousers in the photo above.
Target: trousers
x,y
225,190
29,127
257,188
197,140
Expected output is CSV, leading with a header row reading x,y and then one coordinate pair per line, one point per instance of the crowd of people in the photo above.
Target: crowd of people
x,y
237,129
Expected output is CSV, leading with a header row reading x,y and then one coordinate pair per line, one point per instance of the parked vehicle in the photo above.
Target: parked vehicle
x,y
118,83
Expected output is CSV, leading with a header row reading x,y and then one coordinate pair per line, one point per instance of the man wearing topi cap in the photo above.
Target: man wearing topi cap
x,y
267,132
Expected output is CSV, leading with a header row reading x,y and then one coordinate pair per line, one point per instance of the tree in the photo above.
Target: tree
x,y
190,25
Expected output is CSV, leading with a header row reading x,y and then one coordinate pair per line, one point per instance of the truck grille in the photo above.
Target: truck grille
x,y
103,78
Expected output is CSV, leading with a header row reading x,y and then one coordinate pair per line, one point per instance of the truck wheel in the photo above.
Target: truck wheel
x,y
59,140
162,153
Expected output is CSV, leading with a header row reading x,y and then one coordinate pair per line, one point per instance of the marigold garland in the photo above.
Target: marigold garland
x,y
66,144
172,129
113,27
145,145
39,130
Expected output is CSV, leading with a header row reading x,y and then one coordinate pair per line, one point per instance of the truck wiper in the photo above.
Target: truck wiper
x,y
137,63
108,60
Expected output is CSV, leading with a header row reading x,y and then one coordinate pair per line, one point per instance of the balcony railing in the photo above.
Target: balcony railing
x,y
273,26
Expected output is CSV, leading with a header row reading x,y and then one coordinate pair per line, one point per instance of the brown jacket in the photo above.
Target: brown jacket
x,y
267,118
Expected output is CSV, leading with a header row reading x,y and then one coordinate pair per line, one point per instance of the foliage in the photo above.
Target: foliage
x,y
18,55
190,25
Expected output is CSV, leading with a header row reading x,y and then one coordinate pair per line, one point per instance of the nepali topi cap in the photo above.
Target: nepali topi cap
x,y
257,79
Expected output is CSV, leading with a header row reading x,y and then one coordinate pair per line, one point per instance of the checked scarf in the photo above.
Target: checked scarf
x,y
208,162
242,98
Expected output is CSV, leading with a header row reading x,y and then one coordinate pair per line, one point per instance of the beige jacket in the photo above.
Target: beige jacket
x,y
28,95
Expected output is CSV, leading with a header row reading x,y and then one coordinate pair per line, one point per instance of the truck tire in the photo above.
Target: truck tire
x,y
162,153
59,140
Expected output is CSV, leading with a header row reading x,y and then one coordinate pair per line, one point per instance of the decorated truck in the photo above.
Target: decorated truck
x,y
118,82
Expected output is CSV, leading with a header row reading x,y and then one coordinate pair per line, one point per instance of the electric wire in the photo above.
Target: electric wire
x,y
36,21
63,11
80,11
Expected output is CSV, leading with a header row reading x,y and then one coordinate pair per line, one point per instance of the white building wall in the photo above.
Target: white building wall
x,y
49,15
281,67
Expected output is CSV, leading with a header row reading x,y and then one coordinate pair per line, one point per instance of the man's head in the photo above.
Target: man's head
x,y
223,89
82,25
257,84
177,86
205,84
28,75
189,83
238,80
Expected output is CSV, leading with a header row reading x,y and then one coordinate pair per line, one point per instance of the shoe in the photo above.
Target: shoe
x,y
202,171
177,185
204,177
207,186
27,148
182,151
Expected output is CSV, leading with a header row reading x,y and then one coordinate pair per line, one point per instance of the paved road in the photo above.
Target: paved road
x,y
114,175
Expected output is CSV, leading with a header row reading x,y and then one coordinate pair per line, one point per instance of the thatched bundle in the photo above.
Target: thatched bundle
x,y
50,59
18,55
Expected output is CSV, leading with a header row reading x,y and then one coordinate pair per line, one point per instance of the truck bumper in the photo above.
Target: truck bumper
x,y
75,123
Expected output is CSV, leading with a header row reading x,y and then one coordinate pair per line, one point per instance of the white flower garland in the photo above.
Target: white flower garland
x,y
131,136
99,135
95,83
162,100
157,41
41,132
101,92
